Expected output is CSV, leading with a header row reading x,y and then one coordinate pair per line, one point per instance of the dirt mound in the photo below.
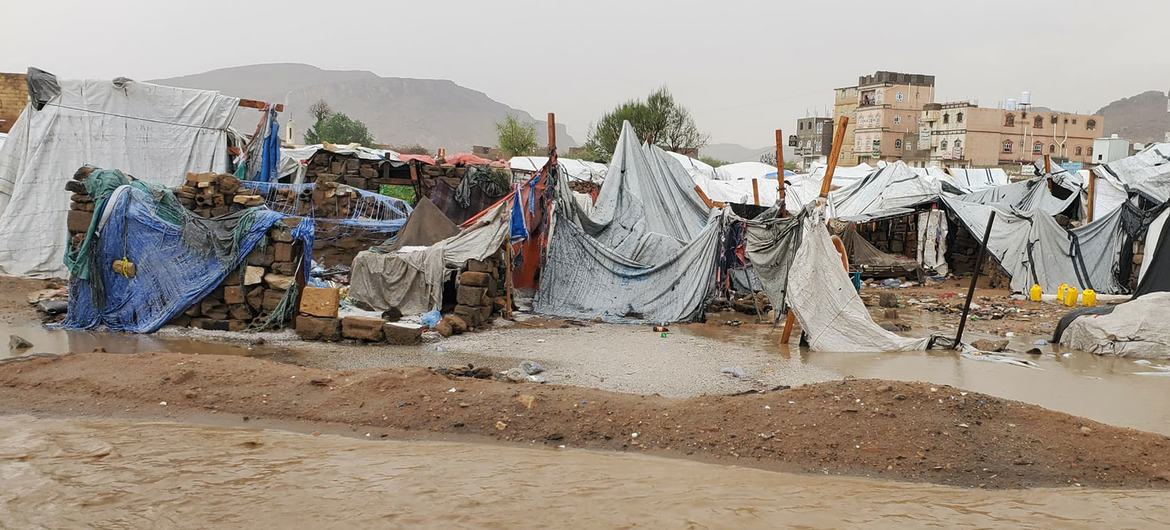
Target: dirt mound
x,y
906,431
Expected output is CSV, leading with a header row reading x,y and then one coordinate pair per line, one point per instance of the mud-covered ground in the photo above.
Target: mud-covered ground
x,y
905,431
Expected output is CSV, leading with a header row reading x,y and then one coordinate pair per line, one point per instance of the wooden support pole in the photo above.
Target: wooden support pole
x,y
780,171
974,278
834,153
259,105
1047,165
756,191
552,134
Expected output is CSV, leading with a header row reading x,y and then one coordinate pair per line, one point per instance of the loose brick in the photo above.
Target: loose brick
x,y
475,279
78,221
283,252
316,328
272,298
472,296
233,294
362,328
402,333
320,301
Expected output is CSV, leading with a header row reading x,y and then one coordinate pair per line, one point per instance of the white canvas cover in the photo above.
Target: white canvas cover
x,y
976,179
1136,328
890,190
411,278
646,250
581,170
1147,172
149,131
932,241
1108,194
829,309
744,171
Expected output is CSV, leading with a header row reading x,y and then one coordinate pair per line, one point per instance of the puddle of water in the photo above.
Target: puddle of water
x,y
61,341
1107,389
108,473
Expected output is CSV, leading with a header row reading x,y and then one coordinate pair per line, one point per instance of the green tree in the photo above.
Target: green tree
x,y
658,120
516,138
337,128
711,161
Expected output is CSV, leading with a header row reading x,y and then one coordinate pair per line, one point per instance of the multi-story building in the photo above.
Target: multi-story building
x,y
962,134
814,140
13,98
884,110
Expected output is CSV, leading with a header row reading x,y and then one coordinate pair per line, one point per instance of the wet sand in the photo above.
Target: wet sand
x,y
108,473
904,431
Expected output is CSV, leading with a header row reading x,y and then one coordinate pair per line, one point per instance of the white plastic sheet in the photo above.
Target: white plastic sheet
x,y
149,131
830,311
1147,172
1136,328
932,241
580,170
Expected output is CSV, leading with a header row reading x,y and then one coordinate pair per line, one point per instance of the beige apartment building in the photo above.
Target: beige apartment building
x,y
884,111
962,134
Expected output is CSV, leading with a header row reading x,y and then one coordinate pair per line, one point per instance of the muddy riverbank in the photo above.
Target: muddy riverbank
x,y
904,431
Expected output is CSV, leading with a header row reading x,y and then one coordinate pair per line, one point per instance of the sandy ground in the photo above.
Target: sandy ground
x,y
906,431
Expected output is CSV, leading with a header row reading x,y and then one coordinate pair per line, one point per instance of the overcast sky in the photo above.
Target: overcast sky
x,y
744,68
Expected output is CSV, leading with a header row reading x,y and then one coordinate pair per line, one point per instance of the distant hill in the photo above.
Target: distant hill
x,y
398,111
1141,118
737,153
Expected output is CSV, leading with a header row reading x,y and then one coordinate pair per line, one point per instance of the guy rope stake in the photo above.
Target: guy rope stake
x,y
974,278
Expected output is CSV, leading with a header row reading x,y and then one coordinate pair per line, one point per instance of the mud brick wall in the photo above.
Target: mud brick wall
x,y
13,99
352,171
898,235
480,291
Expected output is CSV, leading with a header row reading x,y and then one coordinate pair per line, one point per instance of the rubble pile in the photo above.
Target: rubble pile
x,y
326,166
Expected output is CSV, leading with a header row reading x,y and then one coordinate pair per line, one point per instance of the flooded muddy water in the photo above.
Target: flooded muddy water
x,y
61,341
1113,390
121,474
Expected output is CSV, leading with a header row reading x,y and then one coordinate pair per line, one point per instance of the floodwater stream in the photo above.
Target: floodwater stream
x,y
121,474
1114,390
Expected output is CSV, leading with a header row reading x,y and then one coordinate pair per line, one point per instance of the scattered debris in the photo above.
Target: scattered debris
x,y
17,343
734,371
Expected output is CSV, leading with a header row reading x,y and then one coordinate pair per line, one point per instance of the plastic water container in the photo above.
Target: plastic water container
x,y
1060,292
1089,298
1070,296
1036,292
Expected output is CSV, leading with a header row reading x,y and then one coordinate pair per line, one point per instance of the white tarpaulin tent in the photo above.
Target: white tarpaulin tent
x,y
829,309
745,171
645,252
891,190
1033,248
146,130
1136,328
581,170
976,179
1147,172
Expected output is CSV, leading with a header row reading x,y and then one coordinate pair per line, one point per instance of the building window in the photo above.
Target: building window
x,y
1037,148
900,96
943,145
946,118
1079,150
1051,148
1055,119
897,120
897,143
1007,144
958,144
1091,124
1074,121
1038,122
1009,120
959,118
1090,151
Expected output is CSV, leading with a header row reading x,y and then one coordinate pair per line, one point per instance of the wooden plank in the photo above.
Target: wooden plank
x,y
1092,196
756,191
259,105
780,171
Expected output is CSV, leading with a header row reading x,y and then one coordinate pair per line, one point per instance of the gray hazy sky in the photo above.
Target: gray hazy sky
x,y
744,68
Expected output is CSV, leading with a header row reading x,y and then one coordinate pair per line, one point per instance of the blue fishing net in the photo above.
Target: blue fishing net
x,y
179,258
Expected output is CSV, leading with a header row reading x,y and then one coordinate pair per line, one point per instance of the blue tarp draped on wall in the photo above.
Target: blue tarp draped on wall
x,y
177,264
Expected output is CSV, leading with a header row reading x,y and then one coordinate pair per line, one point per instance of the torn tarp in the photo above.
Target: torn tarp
x,y
646,251
771,244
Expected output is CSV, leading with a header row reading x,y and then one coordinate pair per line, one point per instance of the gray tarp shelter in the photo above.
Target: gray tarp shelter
x,y
645,252
1033,248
